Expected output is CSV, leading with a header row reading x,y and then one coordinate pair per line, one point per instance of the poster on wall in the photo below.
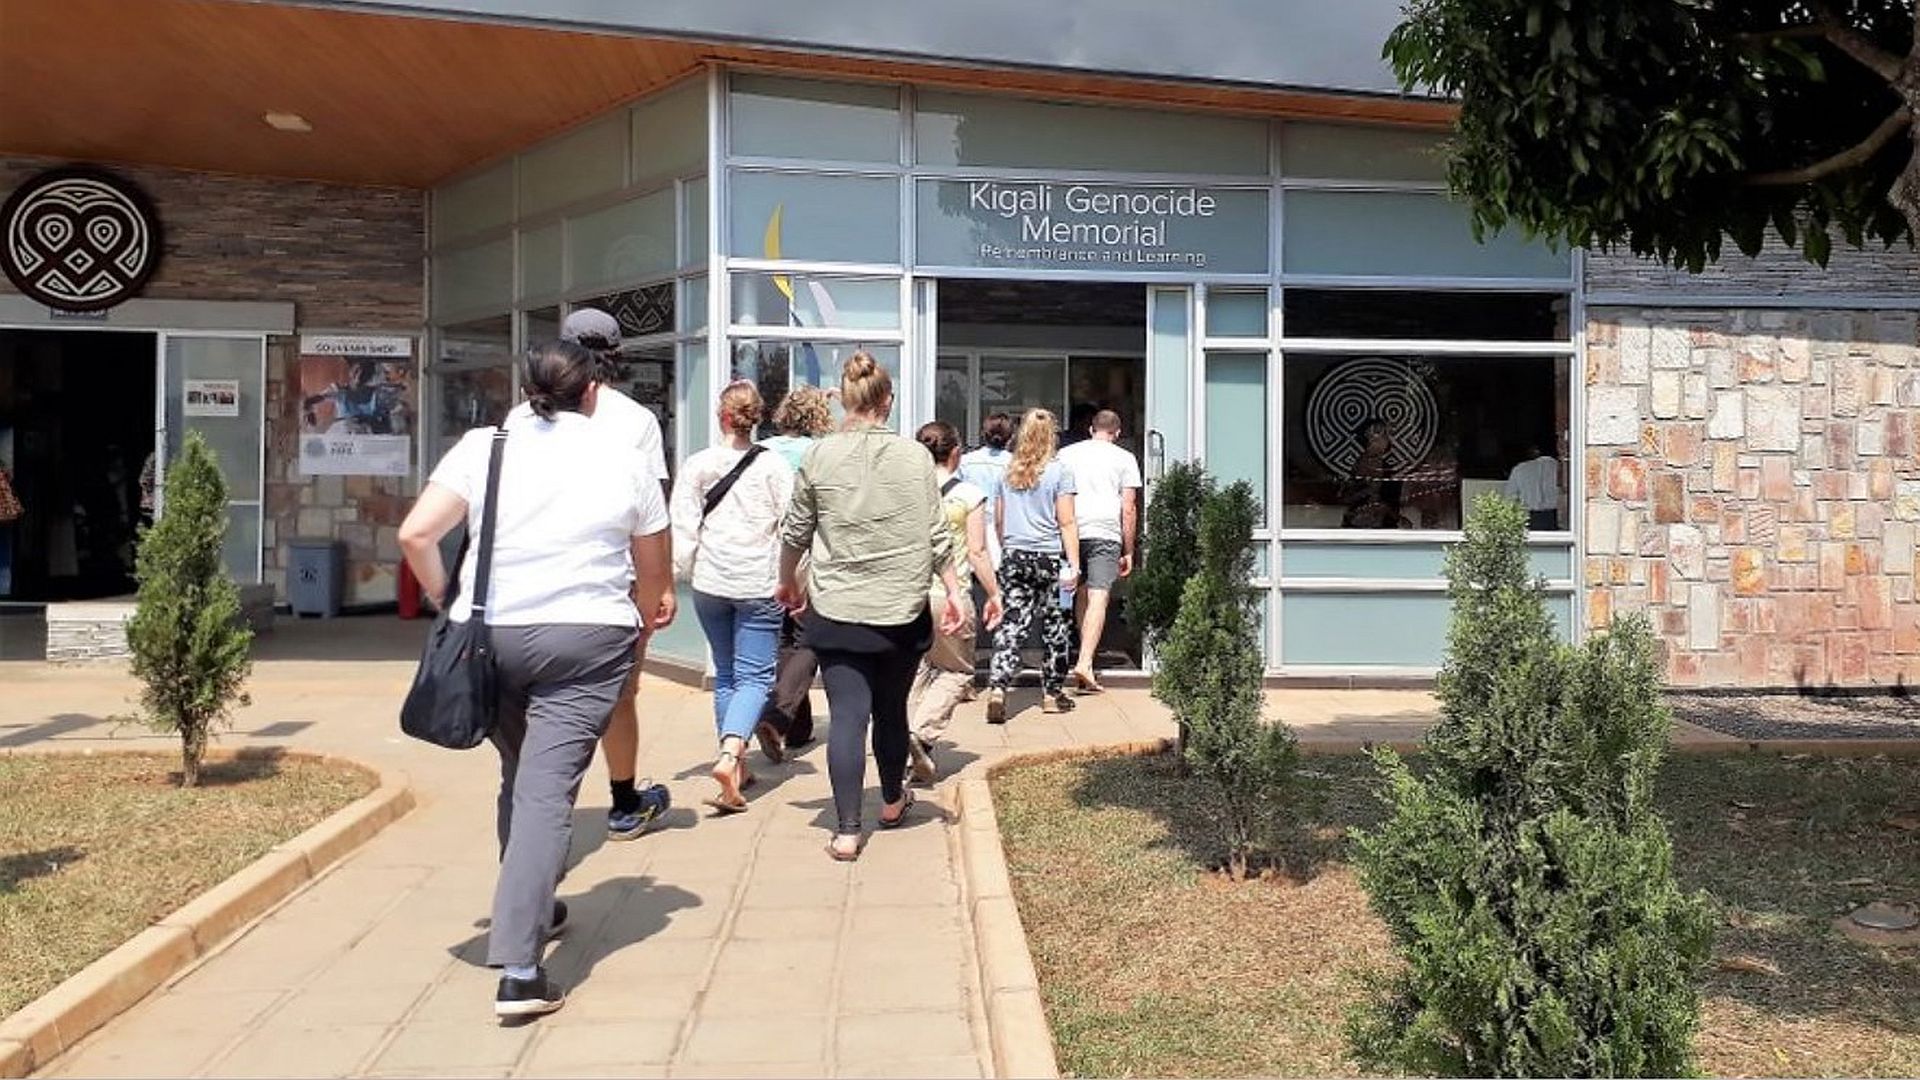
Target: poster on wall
x,y
357,406
210,397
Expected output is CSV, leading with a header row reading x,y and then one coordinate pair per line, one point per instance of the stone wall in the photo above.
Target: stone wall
x,y
1777,271
1753,484
363,512
346,257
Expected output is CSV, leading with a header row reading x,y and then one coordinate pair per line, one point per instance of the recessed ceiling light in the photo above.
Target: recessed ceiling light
x,y
286,121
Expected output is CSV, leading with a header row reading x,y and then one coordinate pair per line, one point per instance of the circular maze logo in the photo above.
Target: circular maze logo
x,y
1357,391
79,239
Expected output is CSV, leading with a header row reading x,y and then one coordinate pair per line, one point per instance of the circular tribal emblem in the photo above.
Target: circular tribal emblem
x,y
1355,392
79,239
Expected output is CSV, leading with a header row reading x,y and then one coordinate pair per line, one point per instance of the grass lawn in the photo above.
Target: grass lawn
x,y
95,849
1153,966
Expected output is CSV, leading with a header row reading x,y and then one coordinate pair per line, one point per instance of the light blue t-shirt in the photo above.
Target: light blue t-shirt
x,y
792,447
1030,518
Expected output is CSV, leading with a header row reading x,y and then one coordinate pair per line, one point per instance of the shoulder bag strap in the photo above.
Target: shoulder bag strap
x,y
719,490
489,510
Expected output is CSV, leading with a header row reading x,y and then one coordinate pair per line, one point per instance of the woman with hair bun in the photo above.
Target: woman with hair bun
x,y
579,555
866,506
727,506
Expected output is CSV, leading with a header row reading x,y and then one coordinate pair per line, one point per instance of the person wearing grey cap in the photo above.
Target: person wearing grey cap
x,y
631,424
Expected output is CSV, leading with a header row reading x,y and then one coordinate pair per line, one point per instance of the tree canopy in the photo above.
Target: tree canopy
x,y
1670,126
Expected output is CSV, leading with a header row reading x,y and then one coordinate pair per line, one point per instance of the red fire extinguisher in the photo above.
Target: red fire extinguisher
x,y
407,592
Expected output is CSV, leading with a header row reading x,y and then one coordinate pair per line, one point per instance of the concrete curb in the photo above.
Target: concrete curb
x,y
1022,1041
49,1026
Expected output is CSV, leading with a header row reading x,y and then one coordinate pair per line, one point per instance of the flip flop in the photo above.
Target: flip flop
x,y
721,805
906,804
838,854
1087,684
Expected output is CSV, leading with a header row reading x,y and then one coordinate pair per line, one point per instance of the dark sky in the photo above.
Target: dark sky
x,y
1332,44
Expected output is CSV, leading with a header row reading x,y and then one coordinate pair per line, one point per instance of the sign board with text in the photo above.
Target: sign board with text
x,y
1172,229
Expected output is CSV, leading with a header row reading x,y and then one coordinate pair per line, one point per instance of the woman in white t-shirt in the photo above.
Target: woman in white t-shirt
x,y
579,553
727,504
946,672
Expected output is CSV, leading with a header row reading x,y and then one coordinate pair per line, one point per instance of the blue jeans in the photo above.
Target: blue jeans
x,y
745,638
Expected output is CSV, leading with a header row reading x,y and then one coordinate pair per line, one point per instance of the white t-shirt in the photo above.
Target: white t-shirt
x,y
570,504
1535,484
627,422
1102,474
735,552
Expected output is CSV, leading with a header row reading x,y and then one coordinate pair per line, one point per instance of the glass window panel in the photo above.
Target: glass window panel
x,y
541,325
815,301
681,639
772,116
472,380
1405,442
953,394
816,218
1136,228
967,129
1167,341
777,366
641,312
541,268
1236,428
693,313
670,134
235,440
1409,315
622,243
699,394
475,204
1403,234
1237,313
645,373
1361,630
693,230
474,279
1116,383
1014,384
1352,152
1399,562
587,161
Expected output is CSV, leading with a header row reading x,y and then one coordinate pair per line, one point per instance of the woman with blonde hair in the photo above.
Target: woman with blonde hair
x,y
866,507
727,504
1040,561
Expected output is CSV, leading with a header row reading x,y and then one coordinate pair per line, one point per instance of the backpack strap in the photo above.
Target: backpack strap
x,y
946,489
719,490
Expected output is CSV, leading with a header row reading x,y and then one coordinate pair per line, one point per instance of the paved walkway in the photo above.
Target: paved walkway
x,y
712,947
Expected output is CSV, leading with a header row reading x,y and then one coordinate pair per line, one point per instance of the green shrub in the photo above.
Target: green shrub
x,y
1169,551
1211,675
1524,874
190,649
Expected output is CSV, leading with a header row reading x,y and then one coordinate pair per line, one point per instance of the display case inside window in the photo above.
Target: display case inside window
x,y
1375,442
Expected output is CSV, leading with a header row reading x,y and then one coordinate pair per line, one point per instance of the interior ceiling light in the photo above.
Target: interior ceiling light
x,y
286,121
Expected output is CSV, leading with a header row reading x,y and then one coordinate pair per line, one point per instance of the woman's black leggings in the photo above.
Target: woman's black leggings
x,y
862,686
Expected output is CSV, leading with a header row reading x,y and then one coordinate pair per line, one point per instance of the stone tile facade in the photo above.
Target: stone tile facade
x,y
348,258
363,512
1753,485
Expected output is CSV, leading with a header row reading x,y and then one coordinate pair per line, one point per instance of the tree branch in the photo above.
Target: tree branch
x,y
1859,154
1889,66
1785,33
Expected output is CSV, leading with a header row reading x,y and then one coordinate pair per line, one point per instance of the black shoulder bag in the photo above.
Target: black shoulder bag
x,y
455,693
719,490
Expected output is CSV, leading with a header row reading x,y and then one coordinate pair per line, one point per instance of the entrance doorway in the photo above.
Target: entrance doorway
x,y
1071,348
77,422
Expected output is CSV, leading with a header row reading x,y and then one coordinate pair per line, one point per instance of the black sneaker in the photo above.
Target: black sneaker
x,y
559,922
527,997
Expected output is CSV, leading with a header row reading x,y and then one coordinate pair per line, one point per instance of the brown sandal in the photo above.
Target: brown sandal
x,y
1087,684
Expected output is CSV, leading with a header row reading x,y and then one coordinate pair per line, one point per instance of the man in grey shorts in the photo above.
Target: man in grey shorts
x,y
1106,504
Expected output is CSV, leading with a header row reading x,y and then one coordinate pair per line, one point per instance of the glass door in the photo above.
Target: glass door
x,y
216,385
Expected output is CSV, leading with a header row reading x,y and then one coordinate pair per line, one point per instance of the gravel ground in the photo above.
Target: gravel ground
x,y
1794,716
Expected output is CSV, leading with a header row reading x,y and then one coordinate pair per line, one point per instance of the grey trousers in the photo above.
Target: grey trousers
x,y
558,685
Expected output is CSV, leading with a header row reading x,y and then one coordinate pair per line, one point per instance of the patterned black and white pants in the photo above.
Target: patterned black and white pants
x,y
1030,589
